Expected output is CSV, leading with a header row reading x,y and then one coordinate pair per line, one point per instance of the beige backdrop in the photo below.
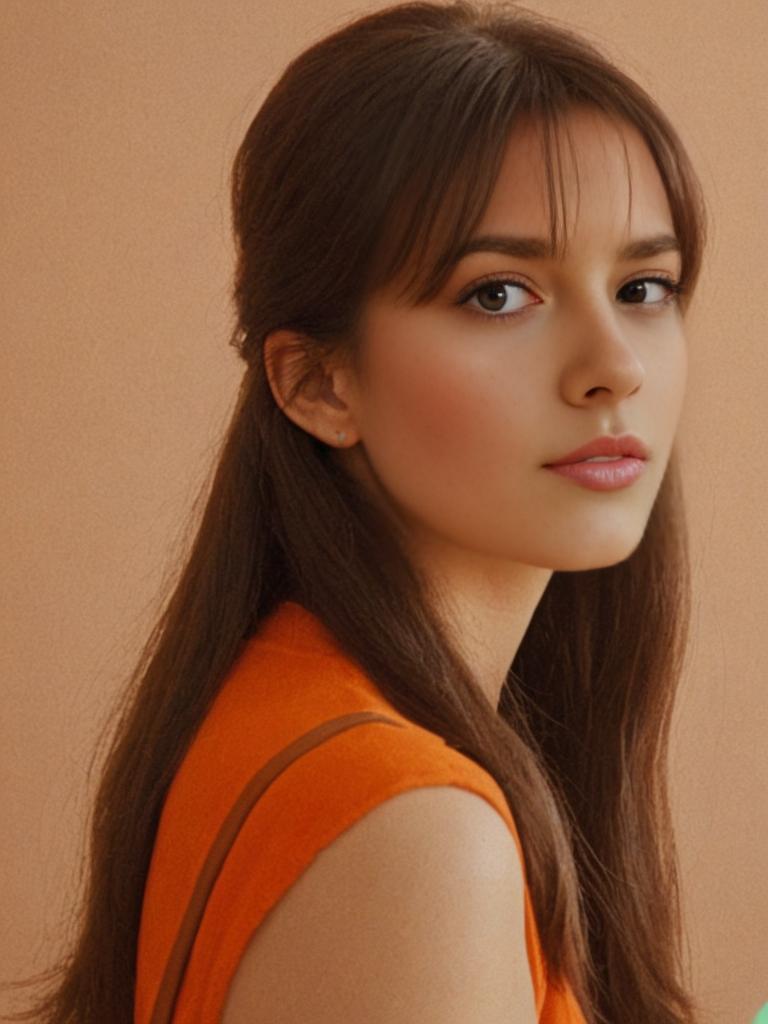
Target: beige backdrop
x,y
119,123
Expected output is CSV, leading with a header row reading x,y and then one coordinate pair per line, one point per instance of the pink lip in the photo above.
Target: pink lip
x,y
626,444
602,476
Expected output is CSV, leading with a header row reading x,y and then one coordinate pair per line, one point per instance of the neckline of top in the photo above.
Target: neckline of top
x,y
292,625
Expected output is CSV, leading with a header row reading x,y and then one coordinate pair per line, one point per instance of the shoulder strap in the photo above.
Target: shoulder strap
x,y
182,947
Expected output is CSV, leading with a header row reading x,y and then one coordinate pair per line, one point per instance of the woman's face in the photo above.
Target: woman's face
x,y
458,409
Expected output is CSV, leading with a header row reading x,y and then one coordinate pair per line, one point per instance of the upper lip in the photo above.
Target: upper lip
x,y
624,444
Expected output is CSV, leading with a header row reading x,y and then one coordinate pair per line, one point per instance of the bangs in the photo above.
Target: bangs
x,y
440,206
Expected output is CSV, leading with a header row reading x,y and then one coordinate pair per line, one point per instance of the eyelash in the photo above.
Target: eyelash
x,y
676,289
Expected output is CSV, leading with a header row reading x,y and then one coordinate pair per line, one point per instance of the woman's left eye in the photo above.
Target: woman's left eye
x,y
637,289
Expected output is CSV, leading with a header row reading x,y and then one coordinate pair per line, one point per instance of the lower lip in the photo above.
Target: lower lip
x,y
602,476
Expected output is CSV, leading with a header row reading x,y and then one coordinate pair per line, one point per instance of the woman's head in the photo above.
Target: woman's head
x,y
459,401
421,128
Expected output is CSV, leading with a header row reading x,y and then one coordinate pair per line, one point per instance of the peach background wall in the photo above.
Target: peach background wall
x,y
119,123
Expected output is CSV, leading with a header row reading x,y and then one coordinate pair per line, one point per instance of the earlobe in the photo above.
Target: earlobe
x,y
306,389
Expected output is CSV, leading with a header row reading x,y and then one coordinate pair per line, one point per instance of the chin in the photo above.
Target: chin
x,y
596,557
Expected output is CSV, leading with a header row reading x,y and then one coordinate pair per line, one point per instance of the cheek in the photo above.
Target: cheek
x,y
440,425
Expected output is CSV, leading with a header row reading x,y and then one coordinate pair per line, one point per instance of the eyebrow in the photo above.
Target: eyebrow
x,y
541,248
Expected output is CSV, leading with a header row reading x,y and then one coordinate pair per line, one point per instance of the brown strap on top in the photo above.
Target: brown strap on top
x,y
182,947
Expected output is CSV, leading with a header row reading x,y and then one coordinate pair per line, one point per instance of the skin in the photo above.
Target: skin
x,y
454,411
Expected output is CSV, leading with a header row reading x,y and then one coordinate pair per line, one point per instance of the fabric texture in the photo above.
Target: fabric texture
x,y
290,677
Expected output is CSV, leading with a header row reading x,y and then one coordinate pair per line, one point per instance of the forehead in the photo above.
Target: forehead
x,y
611,184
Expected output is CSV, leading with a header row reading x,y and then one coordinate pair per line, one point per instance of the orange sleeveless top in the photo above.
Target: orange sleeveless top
x,y
291,676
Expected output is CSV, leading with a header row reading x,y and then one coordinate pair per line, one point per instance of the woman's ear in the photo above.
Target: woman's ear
x,y
315,394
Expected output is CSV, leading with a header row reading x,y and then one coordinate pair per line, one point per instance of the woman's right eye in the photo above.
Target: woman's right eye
x,y
495,293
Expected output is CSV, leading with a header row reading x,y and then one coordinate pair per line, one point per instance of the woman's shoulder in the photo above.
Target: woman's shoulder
x,y
335,814
297,751
427,881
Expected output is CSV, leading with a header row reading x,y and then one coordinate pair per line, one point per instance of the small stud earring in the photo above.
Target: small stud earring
x,y
342,436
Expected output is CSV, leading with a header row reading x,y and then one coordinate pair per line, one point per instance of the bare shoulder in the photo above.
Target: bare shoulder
x,y
414,913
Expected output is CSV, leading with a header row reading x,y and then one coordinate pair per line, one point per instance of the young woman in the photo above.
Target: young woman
x,y
466,243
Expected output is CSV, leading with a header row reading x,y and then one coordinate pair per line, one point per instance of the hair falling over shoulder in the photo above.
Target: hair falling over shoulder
x,y
371,158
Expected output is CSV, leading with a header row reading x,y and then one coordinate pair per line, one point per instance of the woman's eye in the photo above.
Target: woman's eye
x,y
638,290
494,295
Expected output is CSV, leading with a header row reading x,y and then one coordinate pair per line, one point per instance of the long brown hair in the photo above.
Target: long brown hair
x,y
373,157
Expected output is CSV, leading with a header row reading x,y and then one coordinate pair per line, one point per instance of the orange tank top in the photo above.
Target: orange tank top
x,y
290,677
